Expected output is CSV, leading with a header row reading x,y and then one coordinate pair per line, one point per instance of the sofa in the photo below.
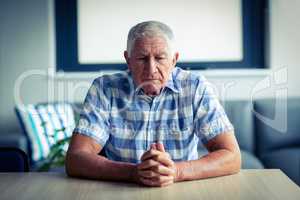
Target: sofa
x,y
240,114
268,134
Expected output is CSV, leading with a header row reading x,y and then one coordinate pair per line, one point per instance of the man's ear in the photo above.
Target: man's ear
x,y
175,58
126,56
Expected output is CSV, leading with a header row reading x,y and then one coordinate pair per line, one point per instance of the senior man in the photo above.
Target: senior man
x,y
150,119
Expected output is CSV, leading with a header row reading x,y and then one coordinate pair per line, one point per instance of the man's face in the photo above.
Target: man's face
x,y
151,63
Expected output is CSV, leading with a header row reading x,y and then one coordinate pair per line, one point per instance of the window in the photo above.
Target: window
x,y
91,34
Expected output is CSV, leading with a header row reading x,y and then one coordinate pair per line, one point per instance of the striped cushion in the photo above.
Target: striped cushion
x,y
45,124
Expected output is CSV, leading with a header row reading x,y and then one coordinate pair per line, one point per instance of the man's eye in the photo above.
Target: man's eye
x,y
160,58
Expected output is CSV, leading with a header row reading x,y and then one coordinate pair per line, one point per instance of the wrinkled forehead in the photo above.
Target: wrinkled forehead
x,y
157,44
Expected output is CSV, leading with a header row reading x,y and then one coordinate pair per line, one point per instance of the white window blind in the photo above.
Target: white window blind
x,y
205,30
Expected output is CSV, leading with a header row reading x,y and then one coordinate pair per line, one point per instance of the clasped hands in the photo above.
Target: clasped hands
x,y
157,168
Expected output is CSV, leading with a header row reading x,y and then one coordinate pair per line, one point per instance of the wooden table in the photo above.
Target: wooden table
x,y
248,184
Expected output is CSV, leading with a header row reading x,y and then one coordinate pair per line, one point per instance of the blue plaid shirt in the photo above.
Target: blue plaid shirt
x,y
118,116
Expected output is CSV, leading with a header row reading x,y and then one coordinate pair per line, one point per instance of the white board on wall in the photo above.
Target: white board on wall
x,y
205,30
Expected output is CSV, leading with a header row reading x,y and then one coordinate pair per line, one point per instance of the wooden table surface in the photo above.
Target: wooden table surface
x,y
248,184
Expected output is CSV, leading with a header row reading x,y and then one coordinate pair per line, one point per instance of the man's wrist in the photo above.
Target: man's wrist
x,y
177,172
133,174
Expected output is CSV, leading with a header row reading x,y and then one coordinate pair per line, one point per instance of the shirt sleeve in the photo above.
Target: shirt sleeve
x,y
94,117
210,118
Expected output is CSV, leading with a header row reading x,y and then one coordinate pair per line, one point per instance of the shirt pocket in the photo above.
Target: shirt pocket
x,y
173,131
179,133
175,138
122,136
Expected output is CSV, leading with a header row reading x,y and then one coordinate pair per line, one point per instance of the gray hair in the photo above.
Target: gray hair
x,y
150,29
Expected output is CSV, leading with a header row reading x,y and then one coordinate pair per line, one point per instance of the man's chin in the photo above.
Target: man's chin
x,y
152,90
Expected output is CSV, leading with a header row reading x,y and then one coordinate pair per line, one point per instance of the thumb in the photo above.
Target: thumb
x,y
160,147
153,146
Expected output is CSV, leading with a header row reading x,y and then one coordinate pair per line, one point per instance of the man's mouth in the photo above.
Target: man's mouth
x,y
145,80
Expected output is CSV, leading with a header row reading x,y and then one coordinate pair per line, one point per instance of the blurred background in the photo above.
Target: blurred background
x,y
52,50
28,42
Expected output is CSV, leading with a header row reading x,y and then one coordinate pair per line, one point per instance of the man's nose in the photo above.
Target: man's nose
x,y
152,66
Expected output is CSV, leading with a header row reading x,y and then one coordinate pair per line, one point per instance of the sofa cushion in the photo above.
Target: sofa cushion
x,y
44,125
16,140
287,159
13,160
277,124
249,161
240,115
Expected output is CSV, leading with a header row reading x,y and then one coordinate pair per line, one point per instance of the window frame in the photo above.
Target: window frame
x,y
253,22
